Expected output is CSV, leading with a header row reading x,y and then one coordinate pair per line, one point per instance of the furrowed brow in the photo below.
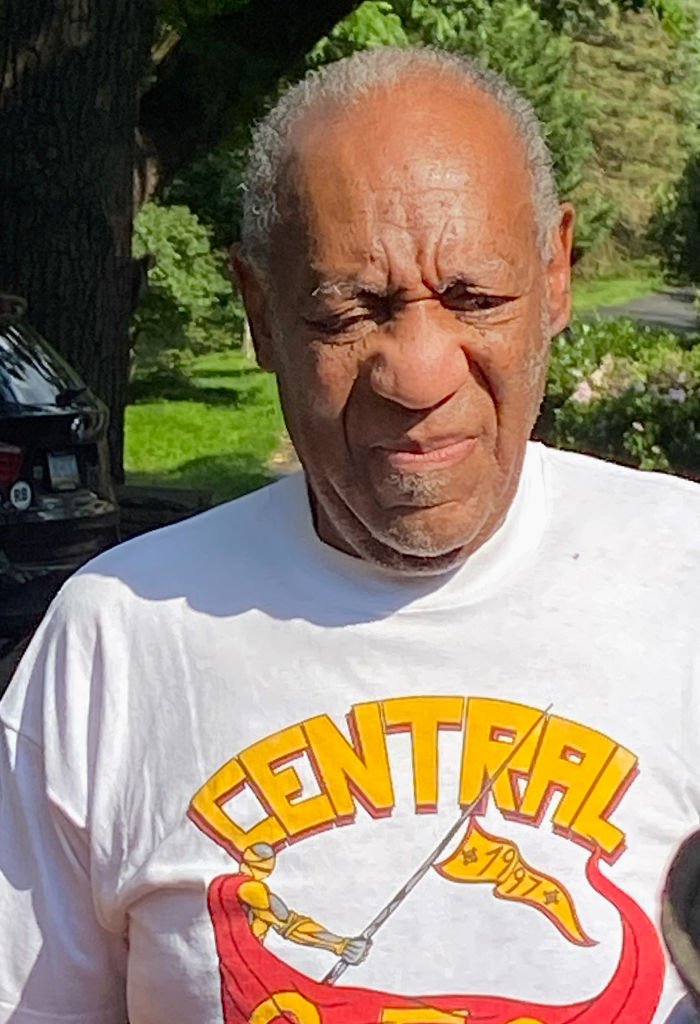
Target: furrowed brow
x,y
493,272
344,288
449,282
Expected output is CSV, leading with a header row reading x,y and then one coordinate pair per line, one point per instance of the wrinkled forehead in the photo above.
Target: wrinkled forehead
x,y
422,171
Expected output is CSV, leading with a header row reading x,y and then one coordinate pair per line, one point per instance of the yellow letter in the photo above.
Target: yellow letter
x,y
207,813
571,760
278,1006
494,728
590,821
423,717
280,788
357,770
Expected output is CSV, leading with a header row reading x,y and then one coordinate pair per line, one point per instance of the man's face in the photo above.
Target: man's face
x,y
411,319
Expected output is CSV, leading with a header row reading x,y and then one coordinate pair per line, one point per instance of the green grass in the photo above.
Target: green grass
x,y
214,432
611,291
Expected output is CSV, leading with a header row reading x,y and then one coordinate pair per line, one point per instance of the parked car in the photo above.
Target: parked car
x,y
57,506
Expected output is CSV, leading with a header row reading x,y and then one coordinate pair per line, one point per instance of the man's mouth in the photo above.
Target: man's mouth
x,y
434,453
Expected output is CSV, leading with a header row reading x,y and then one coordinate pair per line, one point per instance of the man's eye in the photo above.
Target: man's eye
x,y
463,300
339,324
350,323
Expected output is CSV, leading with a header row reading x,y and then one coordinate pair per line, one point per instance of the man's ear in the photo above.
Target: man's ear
x,y
256,302
559,269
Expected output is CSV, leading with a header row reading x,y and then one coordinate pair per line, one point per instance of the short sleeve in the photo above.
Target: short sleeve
x,y
58,962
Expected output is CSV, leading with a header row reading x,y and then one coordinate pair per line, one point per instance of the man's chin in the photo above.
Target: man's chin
x,y
405,560
409,545
419,564
415,541
418,550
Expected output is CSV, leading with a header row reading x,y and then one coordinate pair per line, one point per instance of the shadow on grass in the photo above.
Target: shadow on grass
x,y
176,389
223,476
243,371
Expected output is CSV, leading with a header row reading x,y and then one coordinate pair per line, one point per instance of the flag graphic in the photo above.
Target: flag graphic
x,y
259,988
481,857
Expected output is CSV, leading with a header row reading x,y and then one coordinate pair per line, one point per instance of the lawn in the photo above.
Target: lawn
x,y
214,432
611,291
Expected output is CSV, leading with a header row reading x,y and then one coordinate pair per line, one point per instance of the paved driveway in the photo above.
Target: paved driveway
x,y
672,308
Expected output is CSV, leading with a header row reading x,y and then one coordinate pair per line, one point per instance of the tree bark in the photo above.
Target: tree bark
x,y
70,76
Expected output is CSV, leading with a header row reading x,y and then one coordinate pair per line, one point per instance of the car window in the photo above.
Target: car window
x,y
31,371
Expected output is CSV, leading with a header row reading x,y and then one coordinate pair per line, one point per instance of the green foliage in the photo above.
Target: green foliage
x,y
211,188
182,14
644,87
373,23
676,226
188,307
626,393
575,17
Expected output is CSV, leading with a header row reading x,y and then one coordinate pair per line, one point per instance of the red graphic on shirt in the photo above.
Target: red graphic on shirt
x,y
524,762
259,988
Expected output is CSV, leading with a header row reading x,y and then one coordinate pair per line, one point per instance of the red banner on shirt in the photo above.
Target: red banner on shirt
x,y
259,988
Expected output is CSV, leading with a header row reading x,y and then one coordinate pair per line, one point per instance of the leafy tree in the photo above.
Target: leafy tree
x,y
373,23
188,307
573,17
675,228
643,86
211,187
214,64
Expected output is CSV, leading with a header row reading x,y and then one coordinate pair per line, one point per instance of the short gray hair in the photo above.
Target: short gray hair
x,y
348,80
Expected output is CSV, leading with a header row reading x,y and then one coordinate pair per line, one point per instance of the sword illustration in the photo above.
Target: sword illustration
x,y
340,967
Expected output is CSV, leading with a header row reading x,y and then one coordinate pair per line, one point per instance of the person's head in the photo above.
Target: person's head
x,y
258,861
404,264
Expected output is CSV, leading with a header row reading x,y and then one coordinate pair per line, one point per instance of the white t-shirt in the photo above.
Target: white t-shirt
x,y
232,682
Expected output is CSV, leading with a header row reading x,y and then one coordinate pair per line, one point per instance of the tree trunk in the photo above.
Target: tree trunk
x,y
71,73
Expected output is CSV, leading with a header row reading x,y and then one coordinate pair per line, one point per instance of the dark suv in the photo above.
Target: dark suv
x,y
57,507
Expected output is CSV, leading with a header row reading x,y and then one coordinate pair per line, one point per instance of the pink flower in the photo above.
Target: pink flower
x,y
583,393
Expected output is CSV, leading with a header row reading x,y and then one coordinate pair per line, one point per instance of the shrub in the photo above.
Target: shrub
x,y
627,393
675,229
210,186
188,307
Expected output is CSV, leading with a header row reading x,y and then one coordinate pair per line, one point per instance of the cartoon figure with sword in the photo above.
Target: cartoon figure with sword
x,y
258,987
266,910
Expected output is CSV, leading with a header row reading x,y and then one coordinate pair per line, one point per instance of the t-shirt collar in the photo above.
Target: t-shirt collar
x,y
480,575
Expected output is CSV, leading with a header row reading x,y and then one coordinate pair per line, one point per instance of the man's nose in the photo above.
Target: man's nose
x,y
420,361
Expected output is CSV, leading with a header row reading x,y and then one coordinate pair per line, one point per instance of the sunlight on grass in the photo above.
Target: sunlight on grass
x,y
215,432
611,291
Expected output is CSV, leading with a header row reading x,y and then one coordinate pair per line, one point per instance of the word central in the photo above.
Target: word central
x,y
587,770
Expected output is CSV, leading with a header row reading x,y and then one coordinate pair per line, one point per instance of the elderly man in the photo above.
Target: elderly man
x,y
441,682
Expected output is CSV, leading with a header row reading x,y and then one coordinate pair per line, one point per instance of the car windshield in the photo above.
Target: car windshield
x,y
31,372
